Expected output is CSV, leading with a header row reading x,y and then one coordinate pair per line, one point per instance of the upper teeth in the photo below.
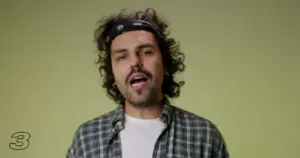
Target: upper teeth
x,y
138,78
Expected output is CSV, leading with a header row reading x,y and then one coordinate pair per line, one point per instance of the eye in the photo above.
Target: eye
x,y
121,57
148,52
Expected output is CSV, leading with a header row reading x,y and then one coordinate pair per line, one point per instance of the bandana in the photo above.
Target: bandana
x,y
126,26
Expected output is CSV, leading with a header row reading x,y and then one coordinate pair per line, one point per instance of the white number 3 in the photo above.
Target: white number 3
x,y
20,141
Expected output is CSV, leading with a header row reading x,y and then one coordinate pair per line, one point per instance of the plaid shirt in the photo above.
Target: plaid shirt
x,y
186,135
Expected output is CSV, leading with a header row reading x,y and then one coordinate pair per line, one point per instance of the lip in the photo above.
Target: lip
x,y
140,86
134,75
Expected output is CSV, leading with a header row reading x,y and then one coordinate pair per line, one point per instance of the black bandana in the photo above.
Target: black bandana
x,y
125,26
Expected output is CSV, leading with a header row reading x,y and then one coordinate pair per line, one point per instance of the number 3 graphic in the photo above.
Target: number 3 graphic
x,y
20,141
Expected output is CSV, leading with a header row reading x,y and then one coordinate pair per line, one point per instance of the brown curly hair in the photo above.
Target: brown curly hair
x,y
173,58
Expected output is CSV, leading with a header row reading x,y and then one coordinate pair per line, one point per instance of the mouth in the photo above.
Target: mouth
x,y
138,81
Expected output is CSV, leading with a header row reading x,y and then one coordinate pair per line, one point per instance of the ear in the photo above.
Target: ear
x,y
114,85
166,72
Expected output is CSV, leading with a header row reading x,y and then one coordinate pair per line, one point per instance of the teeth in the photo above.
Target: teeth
x,y
138,78
137,84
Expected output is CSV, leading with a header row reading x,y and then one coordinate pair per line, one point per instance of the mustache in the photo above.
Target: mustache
x,y
139,70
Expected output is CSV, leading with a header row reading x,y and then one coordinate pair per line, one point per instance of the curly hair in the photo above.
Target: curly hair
x,y
172,57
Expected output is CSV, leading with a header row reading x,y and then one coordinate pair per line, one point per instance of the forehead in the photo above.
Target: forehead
x,y
132,39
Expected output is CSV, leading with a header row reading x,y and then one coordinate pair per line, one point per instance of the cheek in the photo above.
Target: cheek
x,y
158,70
120,74
160,66
116,73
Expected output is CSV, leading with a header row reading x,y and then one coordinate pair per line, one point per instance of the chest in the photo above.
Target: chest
x,y
173,142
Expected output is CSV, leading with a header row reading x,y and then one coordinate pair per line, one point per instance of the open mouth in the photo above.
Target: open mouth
x,y
138,81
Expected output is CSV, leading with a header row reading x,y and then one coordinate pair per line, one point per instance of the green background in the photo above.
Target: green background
x,y
242,71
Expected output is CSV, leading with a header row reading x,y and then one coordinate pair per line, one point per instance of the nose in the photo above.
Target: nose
x,y
136,62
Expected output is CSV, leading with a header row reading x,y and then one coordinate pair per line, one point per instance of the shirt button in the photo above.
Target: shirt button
x,y
119,125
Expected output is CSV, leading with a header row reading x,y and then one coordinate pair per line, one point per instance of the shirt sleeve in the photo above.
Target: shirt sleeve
x,y
220,149
70,153
76,146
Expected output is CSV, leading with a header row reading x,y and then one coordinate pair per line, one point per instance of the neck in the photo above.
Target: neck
x,y
147,112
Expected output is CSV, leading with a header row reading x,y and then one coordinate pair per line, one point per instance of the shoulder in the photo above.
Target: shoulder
x,y
192,119
90,131
99,121
200,129
95,125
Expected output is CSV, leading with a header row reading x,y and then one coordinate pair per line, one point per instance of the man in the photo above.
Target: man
x,y
138,61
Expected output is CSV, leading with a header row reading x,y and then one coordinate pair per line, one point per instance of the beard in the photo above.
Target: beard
x,y
143,98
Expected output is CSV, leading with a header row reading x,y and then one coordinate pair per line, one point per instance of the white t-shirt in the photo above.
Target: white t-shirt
x,y
139,136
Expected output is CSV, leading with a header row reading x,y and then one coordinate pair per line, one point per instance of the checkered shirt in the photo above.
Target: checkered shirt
x,y
185,135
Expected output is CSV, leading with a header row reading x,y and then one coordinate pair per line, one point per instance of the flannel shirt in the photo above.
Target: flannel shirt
x,y
185,135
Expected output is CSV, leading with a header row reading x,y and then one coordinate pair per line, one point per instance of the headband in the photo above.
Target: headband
x,y
125,26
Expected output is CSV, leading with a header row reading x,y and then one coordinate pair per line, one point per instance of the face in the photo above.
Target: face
x,y
137,67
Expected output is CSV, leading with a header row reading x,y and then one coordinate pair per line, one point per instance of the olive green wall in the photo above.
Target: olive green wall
x,y
242,71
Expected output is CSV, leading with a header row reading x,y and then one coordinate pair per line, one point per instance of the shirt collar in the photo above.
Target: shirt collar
x,y
118,117
167,112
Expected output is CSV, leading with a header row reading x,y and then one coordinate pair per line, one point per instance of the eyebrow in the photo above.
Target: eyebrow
x,y
139,47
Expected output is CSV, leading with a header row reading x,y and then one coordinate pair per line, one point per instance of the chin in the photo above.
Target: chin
x,y
140,101
142,98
